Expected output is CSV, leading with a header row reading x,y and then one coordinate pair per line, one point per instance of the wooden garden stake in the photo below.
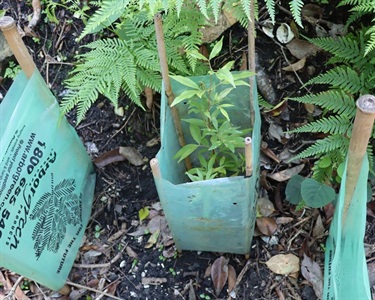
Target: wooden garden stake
x,y
155,168
11,34
167,83
362,129
251,59
248,156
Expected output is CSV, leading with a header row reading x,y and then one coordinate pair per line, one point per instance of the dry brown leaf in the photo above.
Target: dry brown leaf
x,y
153,239
132,155
267,226
283,264
232,277
286,174
37,9
265,207
298,65
267,151
208,271
219,274
277,109
109,157
311,12
131,252
312,272
309,107
318,228
283,220
212,31
301,48
243,66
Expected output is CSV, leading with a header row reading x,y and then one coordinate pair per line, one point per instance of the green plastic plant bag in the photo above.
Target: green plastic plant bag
x,y
345,268
212,215
46,185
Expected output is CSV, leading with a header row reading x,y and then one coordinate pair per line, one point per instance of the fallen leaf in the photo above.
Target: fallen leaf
x,y
277,109
265,207
267,151
37,9
219,274
109,157
318,228
131,252
120,111
312,272
301,48
371,273
153,142
298,65
208,271
309,107
276,132
153,239
286,174
283,220
132,155
311,13
243,66
284,34
143,213
232,277
268,27
283,264
266,226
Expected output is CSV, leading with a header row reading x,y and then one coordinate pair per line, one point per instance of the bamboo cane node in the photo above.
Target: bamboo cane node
x,y
366,104
6,23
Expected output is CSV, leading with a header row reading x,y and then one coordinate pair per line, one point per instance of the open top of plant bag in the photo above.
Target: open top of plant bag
x,y
210,215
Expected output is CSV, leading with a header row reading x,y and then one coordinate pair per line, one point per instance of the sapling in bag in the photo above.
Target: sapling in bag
x,y
46,184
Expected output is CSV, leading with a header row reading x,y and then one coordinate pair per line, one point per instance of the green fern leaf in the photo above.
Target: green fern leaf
x,y
371,42
296,8
328,144
202,4
109,12
246,6
270,4
332,125
344,47
336,101
340,77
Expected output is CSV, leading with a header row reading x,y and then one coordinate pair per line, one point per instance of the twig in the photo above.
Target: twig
x,y
13,290
239,279
104,293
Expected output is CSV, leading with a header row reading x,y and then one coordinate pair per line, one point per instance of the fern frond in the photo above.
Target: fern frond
x,y
296,8
216,7
333,100
246,6
109,12
371,42
366,7
270,5
325,145
340,77
333,125
346,47
202,4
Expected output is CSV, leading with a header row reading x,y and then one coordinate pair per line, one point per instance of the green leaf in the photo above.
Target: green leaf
x,y
197,55
226,76
293,189
225,93
143,213
316,194
188,94
324,162
242,74
216,49
186,81
224,112
195,132
185,151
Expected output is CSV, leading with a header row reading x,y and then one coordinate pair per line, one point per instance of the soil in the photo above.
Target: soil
x,y
126,264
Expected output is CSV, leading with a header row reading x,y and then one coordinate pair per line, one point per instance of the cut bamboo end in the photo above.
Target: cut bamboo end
x,y
248,156
362,130
154,164
11,34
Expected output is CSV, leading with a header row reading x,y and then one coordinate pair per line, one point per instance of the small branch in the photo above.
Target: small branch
x,y
76,285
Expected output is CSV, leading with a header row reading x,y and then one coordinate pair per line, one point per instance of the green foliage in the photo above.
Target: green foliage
x,y
74,6
360,9
129,62
12,70
215,138
310,192
353,75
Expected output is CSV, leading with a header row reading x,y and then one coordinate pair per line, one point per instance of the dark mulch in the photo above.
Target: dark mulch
x,y
123,189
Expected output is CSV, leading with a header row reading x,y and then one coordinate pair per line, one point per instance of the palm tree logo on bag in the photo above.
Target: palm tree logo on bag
x,y
54,211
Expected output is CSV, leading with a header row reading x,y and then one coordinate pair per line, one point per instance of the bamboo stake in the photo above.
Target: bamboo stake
x,y
167,83
251,59
362,129
248,156
11,34
154,163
